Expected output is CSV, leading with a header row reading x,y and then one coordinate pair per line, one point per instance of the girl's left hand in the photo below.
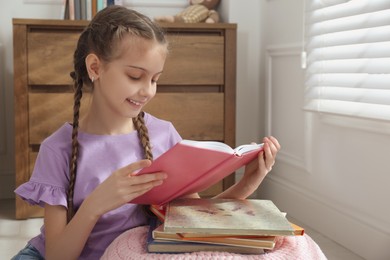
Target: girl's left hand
x,y
256,170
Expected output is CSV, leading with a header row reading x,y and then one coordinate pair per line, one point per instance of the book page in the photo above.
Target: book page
x,y
211,145
240,150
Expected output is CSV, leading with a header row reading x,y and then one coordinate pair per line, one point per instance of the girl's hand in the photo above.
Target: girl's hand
x,y
121,187
256,170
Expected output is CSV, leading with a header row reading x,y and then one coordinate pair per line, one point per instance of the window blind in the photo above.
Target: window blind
x,y
348,57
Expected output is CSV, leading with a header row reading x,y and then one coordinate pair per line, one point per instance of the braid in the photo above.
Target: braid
x,y
78,83
139,124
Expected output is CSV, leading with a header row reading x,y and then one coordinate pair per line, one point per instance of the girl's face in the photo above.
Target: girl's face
x,y
128,82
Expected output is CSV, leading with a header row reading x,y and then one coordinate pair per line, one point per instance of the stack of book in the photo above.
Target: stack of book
x,y
228,225
85,9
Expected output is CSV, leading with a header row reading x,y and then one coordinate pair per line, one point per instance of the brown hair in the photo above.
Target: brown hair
x,y
100,37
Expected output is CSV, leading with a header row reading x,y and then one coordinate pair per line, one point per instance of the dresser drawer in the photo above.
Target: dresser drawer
x,y
196,116
193,59
203,112
50,57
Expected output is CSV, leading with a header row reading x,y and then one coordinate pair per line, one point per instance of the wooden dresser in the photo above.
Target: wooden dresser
x,y
197,91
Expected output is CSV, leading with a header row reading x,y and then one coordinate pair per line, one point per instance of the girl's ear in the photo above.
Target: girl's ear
x,y
93,64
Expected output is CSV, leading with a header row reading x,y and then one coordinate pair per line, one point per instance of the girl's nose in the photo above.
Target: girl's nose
x,y
148,89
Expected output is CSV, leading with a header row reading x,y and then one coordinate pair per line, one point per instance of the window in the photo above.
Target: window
x,y
348,57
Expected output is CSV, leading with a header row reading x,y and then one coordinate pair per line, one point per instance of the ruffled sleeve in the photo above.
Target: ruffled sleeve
x,y
39,194
49,181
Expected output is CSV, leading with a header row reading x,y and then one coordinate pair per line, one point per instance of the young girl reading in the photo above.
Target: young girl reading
x,y
83,173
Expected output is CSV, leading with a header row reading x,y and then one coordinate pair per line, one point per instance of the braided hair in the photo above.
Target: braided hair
x,y
104,32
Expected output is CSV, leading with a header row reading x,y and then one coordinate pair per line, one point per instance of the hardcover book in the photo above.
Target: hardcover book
x,y
226,217
264,242
167,246
193,166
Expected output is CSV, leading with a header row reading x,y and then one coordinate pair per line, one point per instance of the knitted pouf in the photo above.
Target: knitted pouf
x,y
132,245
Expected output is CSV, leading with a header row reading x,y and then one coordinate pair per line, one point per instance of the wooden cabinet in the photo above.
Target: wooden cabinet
x,y
197,91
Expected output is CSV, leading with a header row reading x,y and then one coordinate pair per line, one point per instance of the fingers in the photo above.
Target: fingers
x,y
139,188
131,168
273,144
152,178
274,141
261,160
132,186
134,183
271,148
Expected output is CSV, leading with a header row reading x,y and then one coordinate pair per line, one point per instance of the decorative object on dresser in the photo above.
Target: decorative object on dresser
x,y
197,91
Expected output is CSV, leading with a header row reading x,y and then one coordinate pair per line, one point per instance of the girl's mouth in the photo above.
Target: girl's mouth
x,y
134,102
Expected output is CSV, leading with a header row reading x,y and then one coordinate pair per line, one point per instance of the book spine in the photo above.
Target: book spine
x,y
94,8
71,10
89,9
100,5
77,9
65,10
83,9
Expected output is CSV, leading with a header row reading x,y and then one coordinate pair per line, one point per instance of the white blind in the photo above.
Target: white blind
x,y
348,57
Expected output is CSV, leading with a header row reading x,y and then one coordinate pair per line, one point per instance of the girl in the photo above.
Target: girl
x,y
83,173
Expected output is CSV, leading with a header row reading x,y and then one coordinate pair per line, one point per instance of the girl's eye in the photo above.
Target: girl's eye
x,y
134,78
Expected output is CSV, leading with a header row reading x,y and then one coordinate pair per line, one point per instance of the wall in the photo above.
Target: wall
x,y
332,172
249,115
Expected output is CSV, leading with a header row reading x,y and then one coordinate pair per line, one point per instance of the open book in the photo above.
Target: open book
x,y
193,166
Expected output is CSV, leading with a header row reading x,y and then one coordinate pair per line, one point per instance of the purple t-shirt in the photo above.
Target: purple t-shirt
x,y
99,157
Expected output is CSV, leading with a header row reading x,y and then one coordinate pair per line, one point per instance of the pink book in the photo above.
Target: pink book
x,y
193,166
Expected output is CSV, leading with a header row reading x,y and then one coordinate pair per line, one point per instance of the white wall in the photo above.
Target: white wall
x,y
332,172
249,115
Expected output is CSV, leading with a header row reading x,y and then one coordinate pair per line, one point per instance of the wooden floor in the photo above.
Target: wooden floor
x,y
15,233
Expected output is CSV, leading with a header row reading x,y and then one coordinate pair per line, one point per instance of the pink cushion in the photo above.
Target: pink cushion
x,y
131,245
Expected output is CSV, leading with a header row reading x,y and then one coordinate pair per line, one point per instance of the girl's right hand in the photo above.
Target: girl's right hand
x,y
121,187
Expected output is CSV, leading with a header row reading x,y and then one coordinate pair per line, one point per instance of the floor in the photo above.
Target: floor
x,y
15,233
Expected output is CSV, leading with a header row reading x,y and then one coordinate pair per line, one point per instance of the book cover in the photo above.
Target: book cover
x,y
298,230
158,211
264,242
193,166
167,246
227,217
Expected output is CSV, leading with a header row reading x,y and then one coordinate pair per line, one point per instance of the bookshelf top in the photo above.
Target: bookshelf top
x,y
83,23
